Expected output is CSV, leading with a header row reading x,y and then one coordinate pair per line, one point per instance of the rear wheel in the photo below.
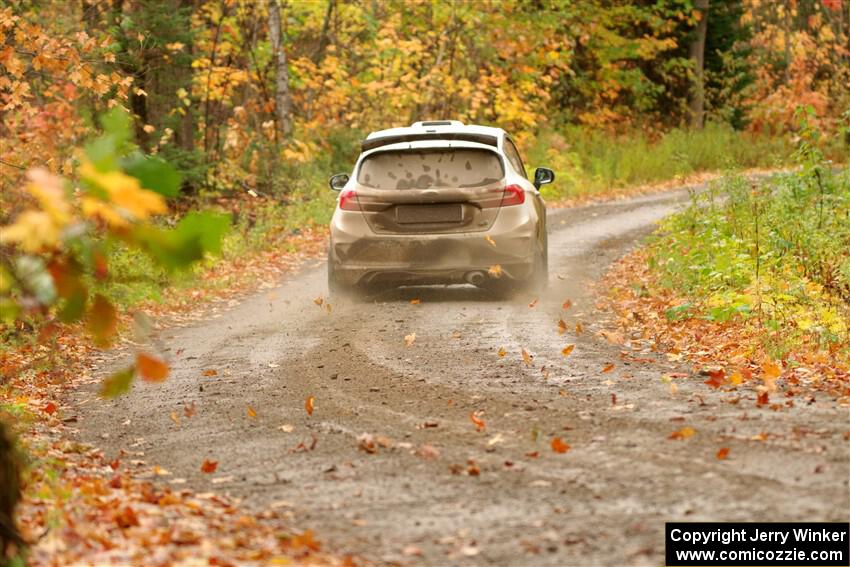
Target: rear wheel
x,y
335,286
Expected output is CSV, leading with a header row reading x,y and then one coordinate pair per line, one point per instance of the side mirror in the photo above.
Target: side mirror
x,y
338,181
542,176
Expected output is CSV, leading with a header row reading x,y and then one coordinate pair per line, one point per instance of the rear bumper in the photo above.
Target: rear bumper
x,y
359,255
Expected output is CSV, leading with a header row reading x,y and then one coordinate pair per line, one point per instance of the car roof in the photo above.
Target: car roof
x,y
434,130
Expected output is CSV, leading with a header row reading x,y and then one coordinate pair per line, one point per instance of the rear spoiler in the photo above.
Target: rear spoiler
x,y
372,143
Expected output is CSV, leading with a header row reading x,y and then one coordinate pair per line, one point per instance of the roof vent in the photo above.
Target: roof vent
x,y
437,123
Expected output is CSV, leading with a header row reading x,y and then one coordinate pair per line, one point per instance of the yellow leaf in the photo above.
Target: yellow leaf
x,y
251,412
410,339
502,352
495,271
568,349
33,230
526,357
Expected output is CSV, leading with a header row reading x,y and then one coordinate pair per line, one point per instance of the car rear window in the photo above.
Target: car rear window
x,y
430,168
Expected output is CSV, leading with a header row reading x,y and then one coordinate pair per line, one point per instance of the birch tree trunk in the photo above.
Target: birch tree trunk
x,y
282,99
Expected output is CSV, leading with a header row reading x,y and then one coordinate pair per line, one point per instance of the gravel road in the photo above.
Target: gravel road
x,y
418,500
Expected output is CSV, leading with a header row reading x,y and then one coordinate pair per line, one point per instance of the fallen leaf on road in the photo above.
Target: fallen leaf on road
x,y
365,442
415,301
49,408
612,337
175,418
189,411
495,271
762,399
410,339
562,326
319,300
566,304
479,423
559,446
683,433
412,550
210,372
722,453
428,452
533,303
251,412
527,357
608,367
287,428
502,351
209,466
151,368
568,349
579,328
736,379
472,468
308,405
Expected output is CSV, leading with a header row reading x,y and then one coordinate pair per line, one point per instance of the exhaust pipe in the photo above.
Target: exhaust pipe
x,y
475,278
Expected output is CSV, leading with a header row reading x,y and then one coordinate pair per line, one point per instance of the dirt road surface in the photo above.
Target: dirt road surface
x,y
603,502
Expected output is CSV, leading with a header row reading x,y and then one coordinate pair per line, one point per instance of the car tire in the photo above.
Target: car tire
x,y
337,288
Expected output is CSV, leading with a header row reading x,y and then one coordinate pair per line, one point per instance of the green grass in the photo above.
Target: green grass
x,y
778,253
589,162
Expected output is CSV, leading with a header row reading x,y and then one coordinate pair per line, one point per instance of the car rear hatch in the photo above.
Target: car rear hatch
x,y
430,190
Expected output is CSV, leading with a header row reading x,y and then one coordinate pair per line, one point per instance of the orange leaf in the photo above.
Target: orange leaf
x,y
683,433
319,300
533,303
567,304
579,328
151,368
102,321
495,271
562,326
567,349
502,352
189,411
210,372
49,409
716,378
526,357
608,367
308,405
479,423
736,379
763,399
251,412
559,446
722,453
209,466
415,301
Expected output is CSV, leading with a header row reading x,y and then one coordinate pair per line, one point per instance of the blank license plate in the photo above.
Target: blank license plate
x,y
406,214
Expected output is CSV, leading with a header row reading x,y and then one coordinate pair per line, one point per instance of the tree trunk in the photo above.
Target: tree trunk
x,y
9,492
323,38
697,52
282,99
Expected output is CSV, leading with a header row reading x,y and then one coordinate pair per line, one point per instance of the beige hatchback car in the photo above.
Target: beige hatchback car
x,y
438,203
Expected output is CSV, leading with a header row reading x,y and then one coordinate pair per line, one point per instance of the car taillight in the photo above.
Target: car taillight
x,y
348,201
513,195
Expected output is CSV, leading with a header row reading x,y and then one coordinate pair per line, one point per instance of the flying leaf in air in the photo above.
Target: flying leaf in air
x,y
771,371
533,303
308,405
716,378
562,326
502,352
209,466
495,271
490,240
527,357
568,349
559,446
683,433
415,301
479,423
151,368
